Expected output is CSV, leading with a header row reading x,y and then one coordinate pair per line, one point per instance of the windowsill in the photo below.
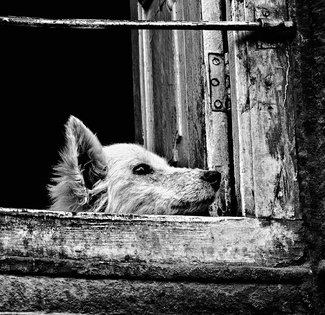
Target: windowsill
x,y
150,247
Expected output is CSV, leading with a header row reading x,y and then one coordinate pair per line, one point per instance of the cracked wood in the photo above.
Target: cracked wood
x,y
263,115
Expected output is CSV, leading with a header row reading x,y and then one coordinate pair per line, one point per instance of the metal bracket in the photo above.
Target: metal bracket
x,y
219,82
270,16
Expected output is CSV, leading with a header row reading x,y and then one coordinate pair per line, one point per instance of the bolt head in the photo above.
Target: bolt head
x,y
216,61
265,12
217,105
215,82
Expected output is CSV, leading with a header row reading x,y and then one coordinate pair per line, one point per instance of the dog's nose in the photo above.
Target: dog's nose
x,y
212,177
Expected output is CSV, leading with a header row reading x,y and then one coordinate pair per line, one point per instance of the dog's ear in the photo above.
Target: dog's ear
x,y
83,165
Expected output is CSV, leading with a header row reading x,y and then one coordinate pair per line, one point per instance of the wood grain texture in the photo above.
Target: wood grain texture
x,y
92,239
135,38
217,122
164,85
195,87
173,114
95,263
263,115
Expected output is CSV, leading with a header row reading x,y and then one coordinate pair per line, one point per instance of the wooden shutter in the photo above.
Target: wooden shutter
x,y
172,113
263,114
176,115
185,107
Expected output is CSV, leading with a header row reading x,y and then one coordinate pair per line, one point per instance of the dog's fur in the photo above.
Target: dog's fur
x,y
125,178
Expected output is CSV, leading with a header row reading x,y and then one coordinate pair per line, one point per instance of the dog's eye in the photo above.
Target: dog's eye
x,y
142,169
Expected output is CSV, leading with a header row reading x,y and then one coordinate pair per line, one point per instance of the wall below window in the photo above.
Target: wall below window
x,y
310,125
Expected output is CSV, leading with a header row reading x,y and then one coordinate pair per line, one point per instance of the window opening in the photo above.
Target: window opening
x,y
205,252
50,74
260,24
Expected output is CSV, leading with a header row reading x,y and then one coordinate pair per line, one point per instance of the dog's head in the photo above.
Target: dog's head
x,y
125,178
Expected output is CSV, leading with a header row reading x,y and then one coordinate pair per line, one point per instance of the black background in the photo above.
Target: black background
x,y
49,74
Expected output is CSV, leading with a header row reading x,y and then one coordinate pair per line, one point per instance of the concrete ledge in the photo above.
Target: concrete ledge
x,y
62,295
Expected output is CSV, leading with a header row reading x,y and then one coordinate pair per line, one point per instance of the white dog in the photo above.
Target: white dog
x,y
125,178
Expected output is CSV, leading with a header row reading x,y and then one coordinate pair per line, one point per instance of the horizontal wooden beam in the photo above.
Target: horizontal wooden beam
x,y
98,263
87,240
137,270
109,24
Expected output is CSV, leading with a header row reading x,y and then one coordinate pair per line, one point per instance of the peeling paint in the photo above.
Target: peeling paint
x,y
183,240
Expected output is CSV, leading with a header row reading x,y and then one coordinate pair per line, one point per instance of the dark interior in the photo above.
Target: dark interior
x,y
49,74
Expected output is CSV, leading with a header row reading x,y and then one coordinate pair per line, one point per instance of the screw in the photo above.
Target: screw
x,y
265,12
215,82
217,105
216,61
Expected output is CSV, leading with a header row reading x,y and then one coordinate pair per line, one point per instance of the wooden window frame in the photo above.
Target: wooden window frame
x,y
96,263
156,248
271,238
118,245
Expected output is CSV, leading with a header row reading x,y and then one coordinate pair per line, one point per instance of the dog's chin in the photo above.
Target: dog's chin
x,y
198,208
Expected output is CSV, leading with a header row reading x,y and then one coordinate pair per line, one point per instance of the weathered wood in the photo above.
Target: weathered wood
x,y
95,263
106,24
135,39
172,112
145,3
164,85
139,270
216,121
263,124
91,296
195,88
151,240
146,106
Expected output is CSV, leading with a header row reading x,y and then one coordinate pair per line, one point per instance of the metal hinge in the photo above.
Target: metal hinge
x,y
268,15
219,81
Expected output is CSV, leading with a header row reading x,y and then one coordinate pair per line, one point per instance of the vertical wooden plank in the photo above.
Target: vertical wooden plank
x,y
241,120
146,83
216,120
195,87
266,145
181,140
135,39
275,178
164,83
172,85
179,86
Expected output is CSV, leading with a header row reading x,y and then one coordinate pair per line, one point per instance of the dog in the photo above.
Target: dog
x,y
125,179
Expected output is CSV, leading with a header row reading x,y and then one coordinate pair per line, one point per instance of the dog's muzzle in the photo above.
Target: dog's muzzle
x,y
213,178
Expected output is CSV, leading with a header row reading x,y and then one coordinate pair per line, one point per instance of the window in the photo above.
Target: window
x,y
100,263
234,114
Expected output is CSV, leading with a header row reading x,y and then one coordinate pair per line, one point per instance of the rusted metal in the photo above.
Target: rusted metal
x,y
108,24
